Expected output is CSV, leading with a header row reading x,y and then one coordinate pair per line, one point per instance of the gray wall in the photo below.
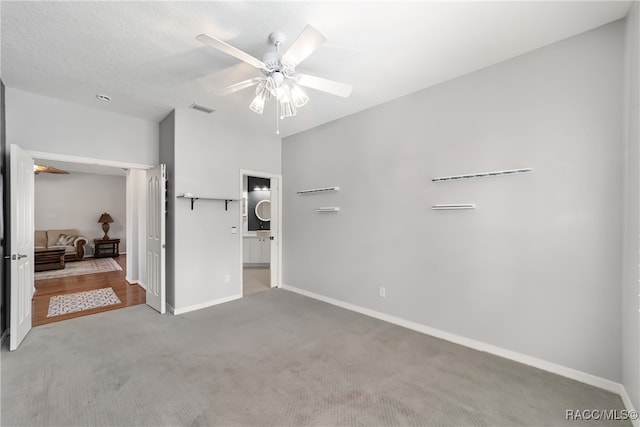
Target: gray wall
x,y
209,155
77,200
167,156
535,268
631,288
4,219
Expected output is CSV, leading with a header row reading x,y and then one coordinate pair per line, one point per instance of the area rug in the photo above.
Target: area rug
x,y
71,303
77,268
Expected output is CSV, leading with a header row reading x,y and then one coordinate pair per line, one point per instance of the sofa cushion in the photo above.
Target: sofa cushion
x,y
54,235
40,239
66,240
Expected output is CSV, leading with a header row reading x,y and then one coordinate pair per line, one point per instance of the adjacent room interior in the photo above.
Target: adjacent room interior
x,y
256,233
378,213
79,202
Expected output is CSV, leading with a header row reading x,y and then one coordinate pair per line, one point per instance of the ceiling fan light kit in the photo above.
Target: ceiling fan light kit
x,y
279,79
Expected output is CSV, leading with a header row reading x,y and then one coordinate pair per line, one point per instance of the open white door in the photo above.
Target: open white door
x,y
156,199
21,202
274,226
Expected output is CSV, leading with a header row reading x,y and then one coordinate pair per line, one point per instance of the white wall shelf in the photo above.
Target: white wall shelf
x,y
453,206
483,174
194,198
318,190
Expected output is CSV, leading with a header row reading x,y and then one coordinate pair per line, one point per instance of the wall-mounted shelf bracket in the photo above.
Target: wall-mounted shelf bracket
x,y
193,199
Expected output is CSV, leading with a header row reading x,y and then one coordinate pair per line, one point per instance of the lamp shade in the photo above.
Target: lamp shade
x,y
105,217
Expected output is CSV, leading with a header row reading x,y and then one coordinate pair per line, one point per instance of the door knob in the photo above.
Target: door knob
x,y
20,256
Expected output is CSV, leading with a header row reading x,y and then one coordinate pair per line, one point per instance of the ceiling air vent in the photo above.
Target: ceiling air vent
x,y
202,108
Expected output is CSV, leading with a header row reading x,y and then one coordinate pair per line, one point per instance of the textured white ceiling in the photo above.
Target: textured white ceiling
x,y
145,56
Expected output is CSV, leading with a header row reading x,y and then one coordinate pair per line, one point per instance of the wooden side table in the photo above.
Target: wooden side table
x,y
105,248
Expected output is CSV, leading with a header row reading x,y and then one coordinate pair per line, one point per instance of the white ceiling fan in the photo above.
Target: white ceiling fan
x,y
47,169
279,79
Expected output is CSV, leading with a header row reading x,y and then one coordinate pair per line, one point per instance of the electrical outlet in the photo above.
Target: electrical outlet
x,y
227,278
382,292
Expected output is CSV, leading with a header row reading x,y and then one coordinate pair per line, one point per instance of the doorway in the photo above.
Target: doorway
x,y
260,237
107,280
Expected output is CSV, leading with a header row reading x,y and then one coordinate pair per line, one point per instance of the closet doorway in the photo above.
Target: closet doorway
x,y
260,231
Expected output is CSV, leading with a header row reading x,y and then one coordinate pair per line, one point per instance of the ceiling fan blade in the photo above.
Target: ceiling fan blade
x,y
47,169
230,50
325,85
306,43
239,86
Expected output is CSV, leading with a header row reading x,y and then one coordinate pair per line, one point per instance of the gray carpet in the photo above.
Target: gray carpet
x,y
272,359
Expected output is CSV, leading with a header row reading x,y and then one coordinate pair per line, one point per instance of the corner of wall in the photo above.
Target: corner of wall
x,y
630,284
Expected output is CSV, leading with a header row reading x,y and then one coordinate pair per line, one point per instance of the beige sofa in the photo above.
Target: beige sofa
x,y
68,239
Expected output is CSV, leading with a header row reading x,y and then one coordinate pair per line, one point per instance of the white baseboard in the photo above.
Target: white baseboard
x,y
574,374
141,284
184,310
170,308
135,282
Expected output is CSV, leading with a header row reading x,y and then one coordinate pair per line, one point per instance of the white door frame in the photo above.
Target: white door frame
x,y
276,259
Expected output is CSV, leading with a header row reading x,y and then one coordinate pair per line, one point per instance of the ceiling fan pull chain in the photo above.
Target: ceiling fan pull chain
x,y
277,120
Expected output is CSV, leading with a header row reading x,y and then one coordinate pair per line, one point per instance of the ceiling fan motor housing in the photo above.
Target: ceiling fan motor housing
x,y
272,65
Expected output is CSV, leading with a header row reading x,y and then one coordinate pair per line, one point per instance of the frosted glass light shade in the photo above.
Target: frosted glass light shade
x,y
287,109
263,91
257,104
298,96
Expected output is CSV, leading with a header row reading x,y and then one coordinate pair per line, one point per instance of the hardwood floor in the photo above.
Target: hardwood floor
x,y
45,289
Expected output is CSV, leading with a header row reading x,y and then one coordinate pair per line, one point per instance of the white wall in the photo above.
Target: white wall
x,y
40,123
535,269
631,278
208,158
77,200
136,227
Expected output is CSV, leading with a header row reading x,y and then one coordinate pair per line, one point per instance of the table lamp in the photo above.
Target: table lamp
x,y
105,219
